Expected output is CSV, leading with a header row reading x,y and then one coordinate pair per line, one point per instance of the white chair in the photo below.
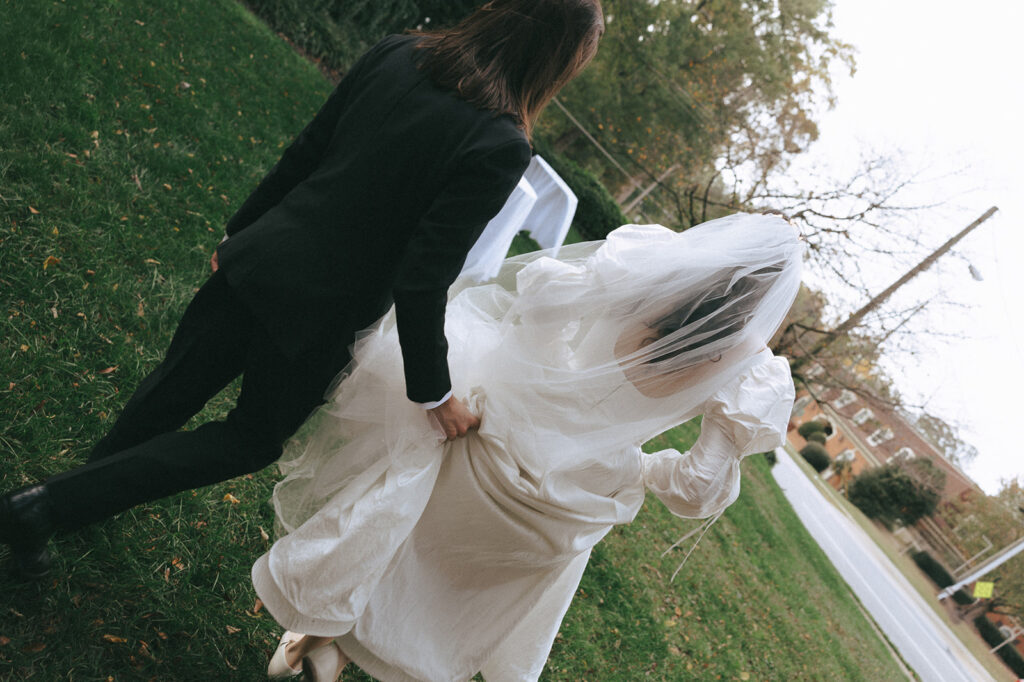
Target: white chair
x,y
549,221
485,258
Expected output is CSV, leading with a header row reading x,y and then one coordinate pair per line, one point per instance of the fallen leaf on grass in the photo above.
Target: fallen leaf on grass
x,y
50,260
257,606
33,211
178,563
108,370
114,639
152,261
231,498
4,641
34,647
263,533
232,629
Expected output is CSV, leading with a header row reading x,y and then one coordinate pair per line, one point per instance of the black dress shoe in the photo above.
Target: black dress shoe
x,y
26,524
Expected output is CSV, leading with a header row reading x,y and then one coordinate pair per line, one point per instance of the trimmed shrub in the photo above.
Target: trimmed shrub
x,y
814,426
597,214
817,437
991,634
940,576
816,456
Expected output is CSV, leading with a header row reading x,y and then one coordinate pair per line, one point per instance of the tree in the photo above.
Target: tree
x,y
946,438
985,524
678,84
892,495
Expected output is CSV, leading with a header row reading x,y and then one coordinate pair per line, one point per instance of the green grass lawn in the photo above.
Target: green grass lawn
x,y
129,131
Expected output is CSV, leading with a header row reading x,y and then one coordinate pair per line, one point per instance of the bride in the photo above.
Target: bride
x,y
420,559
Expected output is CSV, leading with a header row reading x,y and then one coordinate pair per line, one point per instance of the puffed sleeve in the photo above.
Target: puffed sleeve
x,y
748,415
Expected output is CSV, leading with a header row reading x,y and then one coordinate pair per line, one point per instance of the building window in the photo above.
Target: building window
x,y
905,453
880,436
844,399
863,414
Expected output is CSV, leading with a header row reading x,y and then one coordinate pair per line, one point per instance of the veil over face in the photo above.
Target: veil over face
x,y
614,342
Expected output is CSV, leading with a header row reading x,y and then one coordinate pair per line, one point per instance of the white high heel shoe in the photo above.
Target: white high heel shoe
x,y
279,668
323,664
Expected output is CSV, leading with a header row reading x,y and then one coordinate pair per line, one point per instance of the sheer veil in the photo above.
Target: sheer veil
x,y
573,363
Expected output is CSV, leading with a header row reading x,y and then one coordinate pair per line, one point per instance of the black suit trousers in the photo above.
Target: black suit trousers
x,y
146,456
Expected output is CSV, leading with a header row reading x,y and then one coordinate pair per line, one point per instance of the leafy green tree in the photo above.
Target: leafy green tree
x,y
892,495
679,86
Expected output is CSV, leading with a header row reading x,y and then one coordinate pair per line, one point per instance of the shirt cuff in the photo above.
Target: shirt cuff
x,y
436,403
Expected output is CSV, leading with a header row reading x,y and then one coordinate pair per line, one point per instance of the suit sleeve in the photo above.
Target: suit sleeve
x,y
435,256
300,159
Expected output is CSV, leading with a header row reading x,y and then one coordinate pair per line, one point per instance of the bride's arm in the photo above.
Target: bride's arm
x,y
748,416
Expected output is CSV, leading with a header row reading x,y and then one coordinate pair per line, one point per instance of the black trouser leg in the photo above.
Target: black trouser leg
x,y
207,352
277,395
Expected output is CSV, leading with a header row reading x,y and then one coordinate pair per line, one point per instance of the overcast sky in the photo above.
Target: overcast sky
x,y
942,82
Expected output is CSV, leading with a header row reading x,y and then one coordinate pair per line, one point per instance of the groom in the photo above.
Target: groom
x,y
377,201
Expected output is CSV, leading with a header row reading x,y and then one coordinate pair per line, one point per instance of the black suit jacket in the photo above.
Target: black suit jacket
x,y
379,199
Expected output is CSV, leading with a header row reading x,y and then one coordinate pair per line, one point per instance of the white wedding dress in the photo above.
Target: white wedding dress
x,y
435,561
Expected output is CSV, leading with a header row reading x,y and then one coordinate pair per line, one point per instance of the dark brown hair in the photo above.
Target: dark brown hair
x,y
513,56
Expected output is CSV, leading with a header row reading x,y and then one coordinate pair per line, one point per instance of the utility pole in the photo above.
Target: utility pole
x,y
857,317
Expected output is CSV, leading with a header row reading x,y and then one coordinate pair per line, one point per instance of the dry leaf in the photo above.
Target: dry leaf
x,y
257,606
231,629
34,647
167,575
50,260
108,370
178,563
231,498
24,347
4,641
166,186
152,261
33,211
263,533
115,639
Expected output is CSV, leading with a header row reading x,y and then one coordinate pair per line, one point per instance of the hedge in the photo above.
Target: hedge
x,y
939,575
336,32
991,634
816,456
814,426
817,437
